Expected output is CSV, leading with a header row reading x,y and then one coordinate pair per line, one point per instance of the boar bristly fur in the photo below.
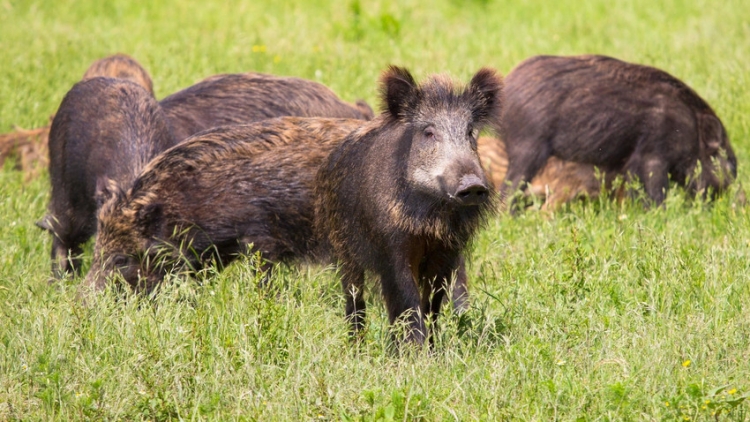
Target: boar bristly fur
x,y
208,199
232,99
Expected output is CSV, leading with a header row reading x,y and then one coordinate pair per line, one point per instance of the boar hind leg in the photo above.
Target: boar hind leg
x,y
264,271
653,174
353,283
523,165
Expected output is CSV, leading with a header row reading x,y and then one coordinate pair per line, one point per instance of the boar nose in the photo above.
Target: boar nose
x,y
472,190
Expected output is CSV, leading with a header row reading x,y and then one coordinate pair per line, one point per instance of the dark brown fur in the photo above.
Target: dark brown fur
x,y
232,99
391,198
624,118
106,130
209,198
121,66
29,147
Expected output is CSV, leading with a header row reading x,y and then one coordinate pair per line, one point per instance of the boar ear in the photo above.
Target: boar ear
x,y
149,219
106,189
486,88
709,132
398,90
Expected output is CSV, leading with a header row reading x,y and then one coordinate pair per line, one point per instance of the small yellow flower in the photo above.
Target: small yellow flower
x,y
560,362
686,364
259,49
687,418
666,403
78,395
732,391
708,401
704,407
276,59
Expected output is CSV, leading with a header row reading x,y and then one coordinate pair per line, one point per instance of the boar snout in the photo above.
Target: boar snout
x,y
472,190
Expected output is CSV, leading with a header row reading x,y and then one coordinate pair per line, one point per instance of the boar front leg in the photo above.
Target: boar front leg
x,y
402,297
353,283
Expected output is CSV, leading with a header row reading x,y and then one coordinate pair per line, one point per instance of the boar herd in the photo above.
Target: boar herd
x,y
280,166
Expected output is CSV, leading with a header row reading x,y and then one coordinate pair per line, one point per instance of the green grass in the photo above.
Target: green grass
x,y
598,312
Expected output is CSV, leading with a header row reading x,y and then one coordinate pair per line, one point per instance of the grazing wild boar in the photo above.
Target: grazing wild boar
x,y
105,129
403,195
121,66
623,118
233,99
208,199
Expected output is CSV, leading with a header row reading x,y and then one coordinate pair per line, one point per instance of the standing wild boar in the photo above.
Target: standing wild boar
x,y
404,195
209,198
250,97
623,118
121,66
105,129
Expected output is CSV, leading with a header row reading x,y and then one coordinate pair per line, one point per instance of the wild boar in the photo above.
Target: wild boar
x,y
105,129
403,196
208,199
624,118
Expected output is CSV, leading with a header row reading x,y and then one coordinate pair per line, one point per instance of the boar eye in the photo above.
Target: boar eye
x,y
472,133
120,261
429,133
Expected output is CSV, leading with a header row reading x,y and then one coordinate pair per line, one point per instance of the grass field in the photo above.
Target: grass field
x,y
598,312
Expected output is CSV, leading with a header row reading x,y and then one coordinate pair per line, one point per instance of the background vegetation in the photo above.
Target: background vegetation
x,y
598,312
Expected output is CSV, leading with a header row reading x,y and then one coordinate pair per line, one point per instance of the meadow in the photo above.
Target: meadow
x,y
600,311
